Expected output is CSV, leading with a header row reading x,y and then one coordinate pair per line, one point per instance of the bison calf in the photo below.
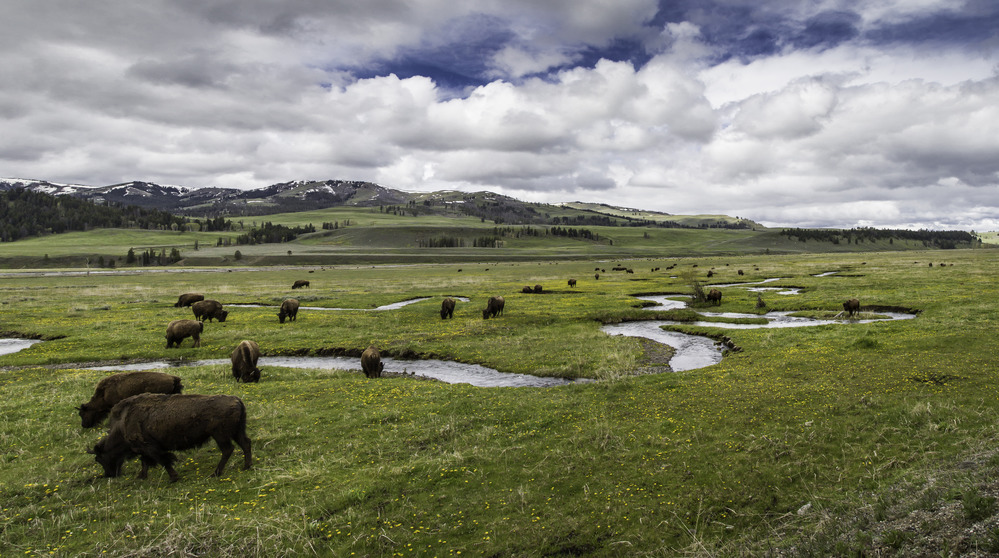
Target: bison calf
x,y
188,299
244,361
113,389
289,310
209,309
152,425
371,362
178,330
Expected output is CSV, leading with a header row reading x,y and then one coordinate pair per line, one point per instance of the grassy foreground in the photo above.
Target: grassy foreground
x,y
778,449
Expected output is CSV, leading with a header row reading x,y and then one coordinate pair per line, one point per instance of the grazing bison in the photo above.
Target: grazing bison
x,y
114,388
447,308
527,289
714,295
537,289
244,361
209,309
178,330
493,307
572,283
596,276
371,362
300,283
289,309
188,299
851,307
151,425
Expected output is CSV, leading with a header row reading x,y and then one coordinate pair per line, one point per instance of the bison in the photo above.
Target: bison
x,y
851,307
371,362
152,425
209,309
289,309
244,361
178,330
114,388
447,308
714,295
493,307
527,289
188,299
572,283
299,284
537,289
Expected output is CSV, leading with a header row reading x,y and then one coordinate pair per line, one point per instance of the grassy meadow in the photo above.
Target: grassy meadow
x,y
803,443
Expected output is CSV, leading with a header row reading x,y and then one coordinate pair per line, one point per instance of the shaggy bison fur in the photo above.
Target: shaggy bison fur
x,y
300,283
114,388
493,307
289,310
851,307
188,299
371,362
178,330
714,295
244,361
447,308
209,309
152,425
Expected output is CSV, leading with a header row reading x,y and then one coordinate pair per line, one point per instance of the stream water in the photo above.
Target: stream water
x,y
692,351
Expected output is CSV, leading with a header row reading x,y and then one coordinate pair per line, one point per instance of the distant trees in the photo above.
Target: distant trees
x,y
938,239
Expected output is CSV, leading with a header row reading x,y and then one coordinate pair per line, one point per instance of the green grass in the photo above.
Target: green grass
x,y
714,461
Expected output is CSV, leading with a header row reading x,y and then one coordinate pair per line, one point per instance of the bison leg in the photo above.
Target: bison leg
x,y
226,447
197,340
146,462
244,443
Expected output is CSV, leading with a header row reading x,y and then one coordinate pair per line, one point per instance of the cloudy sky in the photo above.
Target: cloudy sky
x,y
814,113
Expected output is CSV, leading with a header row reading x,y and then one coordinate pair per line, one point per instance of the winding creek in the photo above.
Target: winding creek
x,y
691,351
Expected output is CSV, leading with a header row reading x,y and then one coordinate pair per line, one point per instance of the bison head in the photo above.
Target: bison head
x,y
89,416
222,315
111,458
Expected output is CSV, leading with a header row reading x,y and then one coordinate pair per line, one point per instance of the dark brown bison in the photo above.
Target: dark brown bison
x,y
289,309
371,362
299,284
572,283
596,276
244,361
188,299
493,307
114,388
152,425
527,289
851,307
178,330
537,289
714,295
447,308
209,309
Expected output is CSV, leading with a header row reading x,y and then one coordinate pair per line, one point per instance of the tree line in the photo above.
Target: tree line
x,y
939,239
25,213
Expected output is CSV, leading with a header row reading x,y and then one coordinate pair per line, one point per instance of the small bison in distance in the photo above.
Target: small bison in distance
x,y
851,307
188,299
289,310
300,283
244,361
209,309
178,330
538,289
527,289
371,362
572,283
152,425
714,295
447,308
114,388
493,307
